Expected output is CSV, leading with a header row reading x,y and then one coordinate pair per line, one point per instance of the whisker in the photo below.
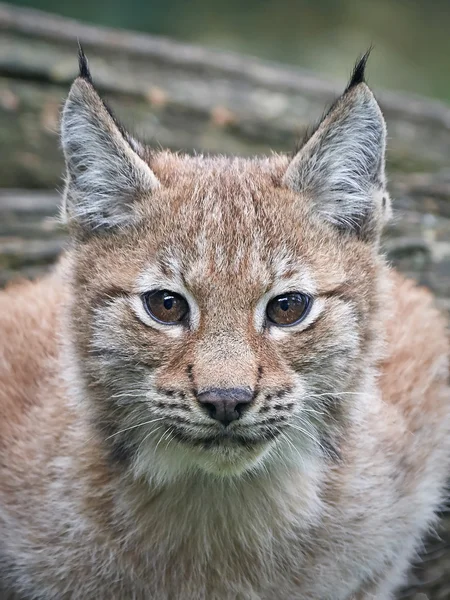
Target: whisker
x,y
147,436
305,432
312,411
100,428
161,438
171,438
285,436
136,394
335,394
297,451
134,426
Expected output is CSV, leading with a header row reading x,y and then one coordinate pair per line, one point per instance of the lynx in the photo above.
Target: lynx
x,y
222,391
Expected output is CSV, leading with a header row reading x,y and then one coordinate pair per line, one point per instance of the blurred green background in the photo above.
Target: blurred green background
x,y
411,37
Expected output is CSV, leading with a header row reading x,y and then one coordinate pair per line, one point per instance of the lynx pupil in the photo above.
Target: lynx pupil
x,y
284,304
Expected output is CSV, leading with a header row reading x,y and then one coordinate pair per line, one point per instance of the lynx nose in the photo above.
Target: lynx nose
x,y
227,404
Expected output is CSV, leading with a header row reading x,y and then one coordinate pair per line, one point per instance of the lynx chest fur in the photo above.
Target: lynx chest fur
x,y
222,391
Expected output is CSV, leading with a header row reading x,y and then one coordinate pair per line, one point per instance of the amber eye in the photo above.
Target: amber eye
x,y
288,309
165,307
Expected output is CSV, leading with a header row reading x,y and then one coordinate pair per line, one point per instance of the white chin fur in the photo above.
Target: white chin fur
x,y
178,460
172,461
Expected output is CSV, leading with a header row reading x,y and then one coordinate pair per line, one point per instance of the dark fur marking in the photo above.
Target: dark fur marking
x,y
322,317
331,450
273,421
120,452
175,405
171,405
359,71
214,441
204,442
106,352
177,419
190,374
83,64
105,297
342,292
257,384
170,393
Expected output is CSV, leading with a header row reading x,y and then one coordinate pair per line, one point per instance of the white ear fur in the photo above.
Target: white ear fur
x,y
341,167
104,170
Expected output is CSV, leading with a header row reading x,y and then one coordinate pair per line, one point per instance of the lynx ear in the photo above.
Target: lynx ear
x,y
340,168
104,169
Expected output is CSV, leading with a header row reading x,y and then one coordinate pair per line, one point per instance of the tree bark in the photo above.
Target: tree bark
x,y
186,98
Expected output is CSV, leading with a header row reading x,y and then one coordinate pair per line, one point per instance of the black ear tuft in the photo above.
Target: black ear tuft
x,y
83,64
358,74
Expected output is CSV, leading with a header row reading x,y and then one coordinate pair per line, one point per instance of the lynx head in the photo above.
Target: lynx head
x,y
223,310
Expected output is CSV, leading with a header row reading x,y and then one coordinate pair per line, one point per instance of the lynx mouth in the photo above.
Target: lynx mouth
x,y
224,438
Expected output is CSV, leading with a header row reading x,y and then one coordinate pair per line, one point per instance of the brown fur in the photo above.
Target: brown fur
x,y
114,483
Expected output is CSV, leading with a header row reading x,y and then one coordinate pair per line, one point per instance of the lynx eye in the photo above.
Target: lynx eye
x,y
288,309
165,306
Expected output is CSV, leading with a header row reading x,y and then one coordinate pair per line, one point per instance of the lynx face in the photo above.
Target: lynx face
x,y
223,309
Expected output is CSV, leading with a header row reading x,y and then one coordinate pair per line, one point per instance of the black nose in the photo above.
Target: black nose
x,y
227,404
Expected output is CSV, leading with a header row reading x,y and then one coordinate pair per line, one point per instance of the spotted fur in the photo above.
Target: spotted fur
x,y
115,483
